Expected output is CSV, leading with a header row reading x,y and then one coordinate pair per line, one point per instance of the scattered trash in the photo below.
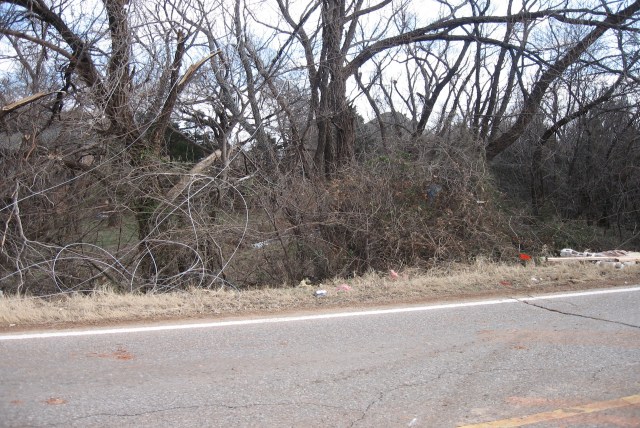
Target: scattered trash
x,y
343,287
534,279
524,257
393,275
617,265
432,192
262,244
320,293
615,258
568,252
12,325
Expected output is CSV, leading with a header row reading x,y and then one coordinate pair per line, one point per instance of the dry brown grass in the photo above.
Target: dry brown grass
x,y
373,289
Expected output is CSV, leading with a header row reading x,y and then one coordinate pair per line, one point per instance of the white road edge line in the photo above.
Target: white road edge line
x,y
218,324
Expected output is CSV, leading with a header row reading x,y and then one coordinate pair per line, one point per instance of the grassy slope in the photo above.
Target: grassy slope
x,y
455,281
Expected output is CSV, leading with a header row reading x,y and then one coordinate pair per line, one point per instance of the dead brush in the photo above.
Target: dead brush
x,y
387,211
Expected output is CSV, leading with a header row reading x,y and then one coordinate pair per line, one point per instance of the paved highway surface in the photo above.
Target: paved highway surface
x,y
568,360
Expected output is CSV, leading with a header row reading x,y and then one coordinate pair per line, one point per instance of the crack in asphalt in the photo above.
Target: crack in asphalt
x,y
169,409
595,375
576,315
434,378
199,406
364,413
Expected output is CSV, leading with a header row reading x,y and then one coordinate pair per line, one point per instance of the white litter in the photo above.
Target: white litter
x,y
615,258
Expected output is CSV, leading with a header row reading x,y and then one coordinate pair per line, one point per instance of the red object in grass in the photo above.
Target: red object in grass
x,y
524,257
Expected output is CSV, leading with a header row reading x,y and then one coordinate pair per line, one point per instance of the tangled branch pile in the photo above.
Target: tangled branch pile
x,y
151,148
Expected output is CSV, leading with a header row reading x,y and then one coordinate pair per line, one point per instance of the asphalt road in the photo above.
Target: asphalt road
x,y
561,361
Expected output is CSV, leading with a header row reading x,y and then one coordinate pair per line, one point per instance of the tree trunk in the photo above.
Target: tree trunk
x,y
335,119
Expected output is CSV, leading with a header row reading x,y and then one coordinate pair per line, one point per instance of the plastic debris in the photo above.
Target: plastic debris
x,y
320,293
617,265
262,244
616,258
393,275
524,257
568,252
343,287
432,191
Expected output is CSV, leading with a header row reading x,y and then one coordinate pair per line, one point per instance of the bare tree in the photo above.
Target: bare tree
x,y
166,114
537,92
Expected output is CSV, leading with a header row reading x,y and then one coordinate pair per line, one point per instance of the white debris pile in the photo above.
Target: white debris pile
x,y
616,258
568,252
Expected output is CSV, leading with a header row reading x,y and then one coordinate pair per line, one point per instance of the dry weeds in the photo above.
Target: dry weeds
x,y
373,289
